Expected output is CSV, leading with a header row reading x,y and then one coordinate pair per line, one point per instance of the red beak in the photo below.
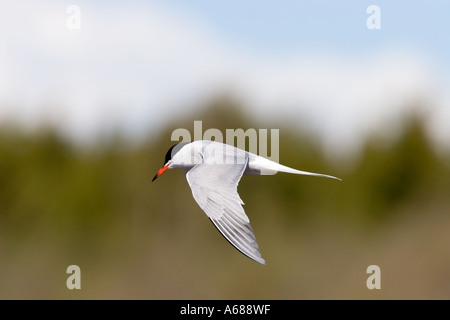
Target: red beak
x,y
160,172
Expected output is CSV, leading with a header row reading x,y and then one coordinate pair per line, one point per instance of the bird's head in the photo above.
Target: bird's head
x,y
169,162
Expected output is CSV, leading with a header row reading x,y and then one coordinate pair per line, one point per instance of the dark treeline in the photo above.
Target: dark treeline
x,y
86,200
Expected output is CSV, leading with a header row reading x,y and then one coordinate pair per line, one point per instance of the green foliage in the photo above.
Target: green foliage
x,y
397,173
45,179
89,204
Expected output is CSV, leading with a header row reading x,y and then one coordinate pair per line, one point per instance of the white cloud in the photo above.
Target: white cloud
x,y
136,66
344,99
121,68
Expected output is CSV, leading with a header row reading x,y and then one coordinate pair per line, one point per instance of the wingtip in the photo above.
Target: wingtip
x,y
257,258
332,177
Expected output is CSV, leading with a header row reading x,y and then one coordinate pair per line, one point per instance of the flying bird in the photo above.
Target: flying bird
x,y
213,171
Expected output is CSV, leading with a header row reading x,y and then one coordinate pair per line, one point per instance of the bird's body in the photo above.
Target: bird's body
x,y
213,171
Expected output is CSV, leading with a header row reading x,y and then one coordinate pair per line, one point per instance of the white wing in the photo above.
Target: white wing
x,y
214,187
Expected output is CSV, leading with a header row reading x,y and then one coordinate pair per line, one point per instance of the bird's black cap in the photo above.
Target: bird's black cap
x,y
173,150
170,153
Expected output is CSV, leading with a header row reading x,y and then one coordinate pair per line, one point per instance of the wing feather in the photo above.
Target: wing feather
x,y
214,187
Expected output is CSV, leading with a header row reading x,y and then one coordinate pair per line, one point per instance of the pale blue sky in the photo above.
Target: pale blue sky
x,y
136,65
282,27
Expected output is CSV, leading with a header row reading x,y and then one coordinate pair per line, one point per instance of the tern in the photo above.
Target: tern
x,y
213,171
